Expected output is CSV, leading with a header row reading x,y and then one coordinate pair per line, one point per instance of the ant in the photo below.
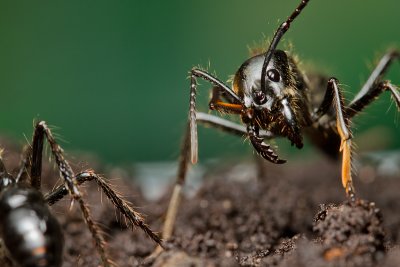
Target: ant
x,y
31,234
274,98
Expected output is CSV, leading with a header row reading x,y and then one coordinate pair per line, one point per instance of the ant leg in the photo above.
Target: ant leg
x,y
228,126
229,106
134,218
24,166
34,156
189,148
369,92
192,106
177,191
373,87
356,106
42,130
334,96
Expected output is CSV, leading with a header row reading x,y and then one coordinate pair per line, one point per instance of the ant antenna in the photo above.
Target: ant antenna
x,y
277,37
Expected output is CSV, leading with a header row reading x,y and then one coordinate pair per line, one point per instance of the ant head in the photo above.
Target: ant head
x,y
247,82
280,98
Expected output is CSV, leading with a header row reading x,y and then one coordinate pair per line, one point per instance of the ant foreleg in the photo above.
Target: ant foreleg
x,y
189,148
229,106
228,126
192,105
333,96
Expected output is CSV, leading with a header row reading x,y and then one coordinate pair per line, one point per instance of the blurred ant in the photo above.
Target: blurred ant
x,y
274,98
31,234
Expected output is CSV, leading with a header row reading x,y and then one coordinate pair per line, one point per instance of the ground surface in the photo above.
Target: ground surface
x,y
284,217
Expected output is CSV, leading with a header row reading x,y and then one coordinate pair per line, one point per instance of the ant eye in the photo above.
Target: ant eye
x,y
273,75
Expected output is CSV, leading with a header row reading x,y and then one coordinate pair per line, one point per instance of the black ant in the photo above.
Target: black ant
x,y
31,234
274,98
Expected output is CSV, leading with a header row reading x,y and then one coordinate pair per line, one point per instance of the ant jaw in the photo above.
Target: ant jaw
x,y
263,149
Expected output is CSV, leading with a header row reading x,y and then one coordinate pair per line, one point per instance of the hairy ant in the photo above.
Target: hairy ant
x,y
31,234
274,98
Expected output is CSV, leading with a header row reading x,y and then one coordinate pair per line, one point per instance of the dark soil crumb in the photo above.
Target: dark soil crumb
x,y
351,233
280,218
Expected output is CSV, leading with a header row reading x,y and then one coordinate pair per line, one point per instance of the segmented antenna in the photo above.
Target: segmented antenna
x,y
277,37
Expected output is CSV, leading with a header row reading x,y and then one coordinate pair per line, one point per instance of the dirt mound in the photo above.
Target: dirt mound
x,y
280,218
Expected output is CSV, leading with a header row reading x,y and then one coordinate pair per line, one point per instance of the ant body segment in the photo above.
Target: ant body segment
x,y
274,98
31,235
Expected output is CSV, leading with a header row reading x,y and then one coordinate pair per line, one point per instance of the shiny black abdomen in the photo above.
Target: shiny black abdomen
x,y
29,231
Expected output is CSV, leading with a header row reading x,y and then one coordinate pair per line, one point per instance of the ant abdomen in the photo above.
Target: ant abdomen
x,y
30,233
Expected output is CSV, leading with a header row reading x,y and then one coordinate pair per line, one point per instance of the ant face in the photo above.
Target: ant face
x,y
277,106
247,82
279,97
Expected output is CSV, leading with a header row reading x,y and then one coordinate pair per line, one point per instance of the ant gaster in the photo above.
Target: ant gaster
x,y
31,234
275,99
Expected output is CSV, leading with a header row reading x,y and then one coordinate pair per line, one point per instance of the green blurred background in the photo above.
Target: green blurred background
x,y
112,75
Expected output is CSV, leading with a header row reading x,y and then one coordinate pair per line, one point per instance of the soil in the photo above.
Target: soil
x,y
290,215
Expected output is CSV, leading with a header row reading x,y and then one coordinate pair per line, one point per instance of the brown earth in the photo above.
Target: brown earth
x,y
283,217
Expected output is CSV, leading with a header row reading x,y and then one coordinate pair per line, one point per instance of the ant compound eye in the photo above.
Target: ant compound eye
x,y
273,75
